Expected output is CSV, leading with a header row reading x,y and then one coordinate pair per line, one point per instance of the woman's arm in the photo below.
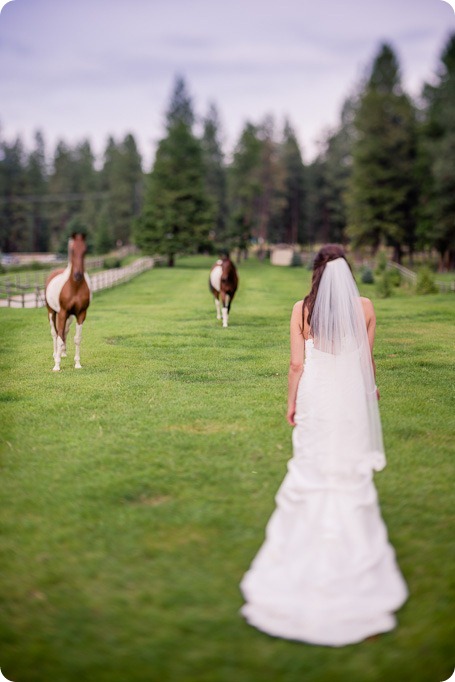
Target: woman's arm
x,y
296,361
370,321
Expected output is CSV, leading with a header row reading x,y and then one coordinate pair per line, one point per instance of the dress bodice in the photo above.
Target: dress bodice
x,y
309,347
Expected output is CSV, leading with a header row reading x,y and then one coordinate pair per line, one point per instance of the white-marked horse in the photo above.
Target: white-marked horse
x,y
68,295
223,283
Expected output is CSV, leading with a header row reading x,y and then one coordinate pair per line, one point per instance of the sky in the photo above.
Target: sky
x,y
78,69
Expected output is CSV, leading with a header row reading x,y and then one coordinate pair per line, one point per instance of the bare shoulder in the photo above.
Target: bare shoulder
x,y
367,304
297,307
296,317
368,310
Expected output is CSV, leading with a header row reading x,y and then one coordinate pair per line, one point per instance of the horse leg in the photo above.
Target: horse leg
x,y
67,327
218,307
61,326
52,316
77,339
225,311
77,344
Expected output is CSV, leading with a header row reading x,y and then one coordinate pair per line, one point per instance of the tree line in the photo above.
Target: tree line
x,y
39,204
384,177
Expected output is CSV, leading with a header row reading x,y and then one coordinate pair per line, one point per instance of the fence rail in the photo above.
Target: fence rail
x,y
408,275
411,276
37,278
20,296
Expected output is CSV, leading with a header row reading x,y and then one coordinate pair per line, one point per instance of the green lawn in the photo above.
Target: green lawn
x,y
445,276
135,491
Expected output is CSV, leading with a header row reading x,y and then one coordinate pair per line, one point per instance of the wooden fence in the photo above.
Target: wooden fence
x,y
411,277
14,295
37,278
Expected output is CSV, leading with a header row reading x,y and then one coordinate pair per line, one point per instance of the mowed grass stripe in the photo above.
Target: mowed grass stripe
x,y
135,491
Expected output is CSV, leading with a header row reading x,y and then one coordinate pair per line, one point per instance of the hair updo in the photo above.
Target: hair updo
x,y
327,253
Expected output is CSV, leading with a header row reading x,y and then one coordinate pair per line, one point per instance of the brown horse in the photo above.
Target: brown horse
x,y
68,295
223,283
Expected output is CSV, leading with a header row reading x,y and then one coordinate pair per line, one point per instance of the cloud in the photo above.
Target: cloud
x,y
98,67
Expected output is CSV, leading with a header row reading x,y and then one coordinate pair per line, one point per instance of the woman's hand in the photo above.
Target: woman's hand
x,y
290,415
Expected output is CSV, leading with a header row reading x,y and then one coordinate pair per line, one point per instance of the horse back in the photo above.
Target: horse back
x,y
215,278
229,278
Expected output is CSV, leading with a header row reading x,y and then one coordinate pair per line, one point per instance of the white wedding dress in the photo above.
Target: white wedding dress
x,y
326,573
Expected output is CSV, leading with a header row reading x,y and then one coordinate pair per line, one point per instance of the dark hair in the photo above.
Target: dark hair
x,y
327,253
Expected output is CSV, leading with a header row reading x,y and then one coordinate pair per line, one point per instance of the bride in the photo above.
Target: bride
x,y
326,573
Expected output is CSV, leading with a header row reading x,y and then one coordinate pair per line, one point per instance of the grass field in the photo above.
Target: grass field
x,y
135,491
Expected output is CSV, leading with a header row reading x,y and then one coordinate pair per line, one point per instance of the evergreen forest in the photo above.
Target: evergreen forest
x,y
384,177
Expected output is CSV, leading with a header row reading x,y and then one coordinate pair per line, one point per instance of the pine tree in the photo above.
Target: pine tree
x,y
382,194
327,181
292,217
177,213
317,212
133,174
37,188
61,185
244,187
180,110
86,181
215,171
15,228
437,207
108,164
121,178
337,172
272,182
103,241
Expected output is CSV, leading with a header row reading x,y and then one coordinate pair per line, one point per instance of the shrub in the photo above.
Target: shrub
x,y
296,260
394,277
310,261
384,285
35,265
425,282
367,276
381,264
112,262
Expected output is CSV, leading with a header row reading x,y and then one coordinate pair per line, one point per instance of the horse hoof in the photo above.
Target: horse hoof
x,y
63,355
78,365
56,369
